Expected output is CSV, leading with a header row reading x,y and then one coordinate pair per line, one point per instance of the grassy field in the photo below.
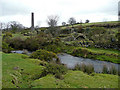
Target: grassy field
x,y
93,23
19,71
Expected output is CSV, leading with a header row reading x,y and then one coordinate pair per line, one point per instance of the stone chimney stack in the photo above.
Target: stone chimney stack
x,y
119,11
32,21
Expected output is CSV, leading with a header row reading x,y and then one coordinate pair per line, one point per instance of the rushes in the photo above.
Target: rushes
x,y
85,68
112,70
89,68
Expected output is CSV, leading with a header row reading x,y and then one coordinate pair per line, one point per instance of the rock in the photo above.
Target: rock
x,y
16,68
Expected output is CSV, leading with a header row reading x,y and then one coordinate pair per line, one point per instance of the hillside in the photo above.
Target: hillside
x,y
40,67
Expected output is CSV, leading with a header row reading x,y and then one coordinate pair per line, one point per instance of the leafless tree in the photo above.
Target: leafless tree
x,y
63,23
52,20
71,21
2,25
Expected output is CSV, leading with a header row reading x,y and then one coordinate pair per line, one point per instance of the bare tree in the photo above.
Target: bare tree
x,y
63,23
52,20
14,26
71,21
2,25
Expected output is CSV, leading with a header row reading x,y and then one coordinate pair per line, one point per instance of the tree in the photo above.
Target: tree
x,y
52,20
63,23
15,26
87,21
71,21
2,25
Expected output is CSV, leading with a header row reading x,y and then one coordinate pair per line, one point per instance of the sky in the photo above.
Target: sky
x,y
94,10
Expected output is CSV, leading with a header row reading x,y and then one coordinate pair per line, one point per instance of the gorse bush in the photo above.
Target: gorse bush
x,y
56,69
53,48
6,48
8,34
44,55
17,43
31,44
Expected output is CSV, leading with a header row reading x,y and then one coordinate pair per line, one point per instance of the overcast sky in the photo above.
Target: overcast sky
x,y
94,10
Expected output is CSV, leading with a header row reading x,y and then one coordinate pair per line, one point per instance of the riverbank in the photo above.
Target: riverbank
x,y
20,71
97,53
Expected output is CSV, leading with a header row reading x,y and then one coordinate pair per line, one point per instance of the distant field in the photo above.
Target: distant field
x,y
19,71
93,23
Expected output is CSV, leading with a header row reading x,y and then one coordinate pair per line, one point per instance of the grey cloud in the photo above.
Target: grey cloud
x,y
9,8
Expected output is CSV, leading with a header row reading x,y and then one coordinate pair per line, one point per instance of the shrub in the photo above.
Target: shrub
x,y
53,48
55,69
31,44
6,48
44,55
17,43
8,34
80,52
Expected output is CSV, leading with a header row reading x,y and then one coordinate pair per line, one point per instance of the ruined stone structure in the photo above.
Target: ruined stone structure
x,y
32,21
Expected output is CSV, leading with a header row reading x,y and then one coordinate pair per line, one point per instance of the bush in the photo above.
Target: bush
x,y
8,34
31,44
44,55
6,48
55,69
80,52
17,43
53,48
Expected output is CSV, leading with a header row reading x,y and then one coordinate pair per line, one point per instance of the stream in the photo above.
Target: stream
x,y
71,61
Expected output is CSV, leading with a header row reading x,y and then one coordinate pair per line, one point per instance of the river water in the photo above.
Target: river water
x,y
71,61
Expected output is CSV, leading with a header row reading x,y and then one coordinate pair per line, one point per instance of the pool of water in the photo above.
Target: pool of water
x,y
71,61
21,51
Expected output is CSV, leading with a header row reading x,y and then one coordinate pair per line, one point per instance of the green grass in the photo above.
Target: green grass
x,y
93,23
98,53
101,50
29,70
22,78
78,79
